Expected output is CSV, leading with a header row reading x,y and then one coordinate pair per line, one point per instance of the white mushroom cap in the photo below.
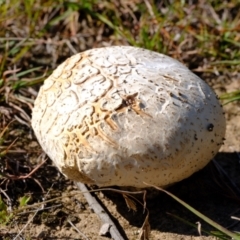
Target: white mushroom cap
x,y
124,115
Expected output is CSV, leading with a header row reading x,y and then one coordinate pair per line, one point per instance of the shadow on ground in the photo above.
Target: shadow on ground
x,y
212,192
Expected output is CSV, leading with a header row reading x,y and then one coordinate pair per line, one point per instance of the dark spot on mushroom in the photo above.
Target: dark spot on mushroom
x,y
141,105
210,127
195,136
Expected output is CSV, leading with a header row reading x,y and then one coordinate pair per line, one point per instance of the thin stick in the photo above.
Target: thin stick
x,y
85,237
115,234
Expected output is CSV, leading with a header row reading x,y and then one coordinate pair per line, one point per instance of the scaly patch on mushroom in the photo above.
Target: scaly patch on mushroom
x,y
124,115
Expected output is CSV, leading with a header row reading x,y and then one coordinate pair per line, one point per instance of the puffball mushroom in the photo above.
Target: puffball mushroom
x,y
123,116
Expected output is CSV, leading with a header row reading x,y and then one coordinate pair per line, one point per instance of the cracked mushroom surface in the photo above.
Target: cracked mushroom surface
x,y
123,115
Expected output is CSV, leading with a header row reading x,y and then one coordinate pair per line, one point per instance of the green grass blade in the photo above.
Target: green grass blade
x,y
197,213
230,97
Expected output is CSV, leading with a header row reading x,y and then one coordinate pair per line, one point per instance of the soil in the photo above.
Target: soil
x,y
213,191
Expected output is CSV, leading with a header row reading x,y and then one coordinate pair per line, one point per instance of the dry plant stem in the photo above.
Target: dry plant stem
x,y
29,221
13,177
77,230
115,234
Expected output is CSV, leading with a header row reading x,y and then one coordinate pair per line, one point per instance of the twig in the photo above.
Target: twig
x,y
77,229
115,234
235,218
25,226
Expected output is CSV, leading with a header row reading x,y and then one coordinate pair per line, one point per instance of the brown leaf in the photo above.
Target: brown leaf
x,y
145,230
130,203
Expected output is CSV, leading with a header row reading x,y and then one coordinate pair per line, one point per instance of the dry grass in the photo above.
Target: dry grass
x,y
35,36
